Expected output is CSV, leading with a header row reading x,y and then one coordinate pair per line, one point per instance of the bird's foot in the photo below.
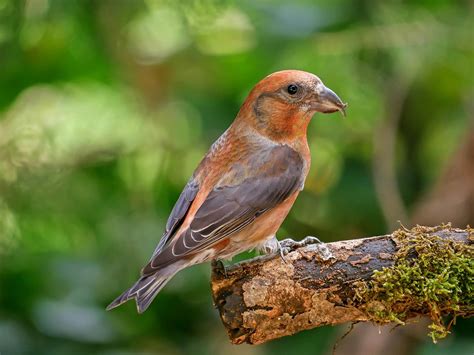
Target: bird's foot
x,y
271,246
288,245
218,267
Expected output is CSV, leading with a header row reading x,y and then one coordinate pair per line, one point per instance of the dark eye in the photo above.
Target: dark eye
x,y
292,89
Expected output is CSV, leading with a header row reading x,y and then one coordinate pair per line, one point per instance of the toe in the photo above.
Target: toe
x,y
311,240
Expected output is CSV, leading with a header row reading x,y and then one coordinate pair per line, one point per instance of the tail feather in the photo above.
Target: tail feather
x,y
143,291
146,295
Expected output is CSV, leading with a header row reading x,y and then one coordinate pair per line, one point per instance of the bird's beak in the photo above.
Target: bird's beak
x,y
328,102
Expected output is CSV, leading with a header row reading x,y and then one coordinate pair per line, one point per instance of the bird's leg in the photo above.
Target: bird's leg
x,y
272,246
218,266
288,245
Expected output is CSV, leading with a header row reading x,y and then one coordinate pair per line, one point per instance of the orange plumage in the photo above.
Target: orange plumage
x,y
246,184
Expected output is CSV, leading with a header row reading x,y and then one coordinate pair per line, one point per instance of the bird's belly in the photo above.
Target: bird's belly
x,y
256,233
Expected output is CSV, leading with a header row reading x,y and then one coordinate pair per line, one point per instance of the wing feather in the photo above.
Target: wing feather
x,y
178,213
229,209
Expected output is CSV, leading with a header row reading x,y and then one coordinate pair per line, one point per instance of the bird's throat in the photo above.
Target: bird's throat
x,y
287,126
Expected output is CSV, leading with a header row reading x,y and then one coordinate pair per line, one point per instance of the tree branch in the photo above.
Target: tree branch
x,y
268,297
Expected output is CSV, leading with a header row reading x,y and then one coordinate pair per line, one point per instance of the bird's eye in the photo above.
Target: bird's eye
x,y
292,89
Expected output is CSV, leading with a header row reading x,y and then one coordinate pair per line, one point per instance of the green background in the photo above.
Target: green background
x,y
106,107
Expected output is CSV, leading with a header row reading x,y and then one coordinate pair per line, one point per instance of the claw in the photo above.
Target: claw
x,y
310,240
283,253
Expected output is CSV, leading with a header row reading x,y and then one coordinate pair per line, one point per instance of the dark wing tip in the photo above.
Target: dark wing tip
x,y
144,291
124,297
142,305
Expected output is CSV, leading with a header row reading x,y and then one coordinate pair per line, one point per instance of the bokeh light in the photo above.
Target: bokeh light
x,y
106,108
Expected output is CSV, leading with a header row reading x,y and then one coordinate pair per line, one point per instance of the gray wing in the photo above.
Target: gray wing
x,y
229,209
178,213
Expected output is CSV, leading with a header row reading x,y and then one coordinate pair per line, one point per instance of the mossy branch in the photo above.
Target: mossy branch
x,y
392,278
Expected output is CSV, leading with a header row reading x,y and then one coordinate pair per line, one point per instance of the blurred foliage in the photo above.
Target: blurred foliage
x,y
107,106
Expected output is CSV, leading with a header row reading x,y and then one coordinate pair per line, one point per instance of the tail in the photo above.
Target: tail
x,y
144,291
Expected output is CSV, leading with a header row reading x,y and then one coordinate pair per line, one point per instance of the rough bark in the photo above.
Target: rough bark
x,y
268,297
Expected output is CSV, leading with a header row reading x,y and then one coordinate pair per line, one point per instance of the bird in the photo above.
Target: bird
x,y
244,187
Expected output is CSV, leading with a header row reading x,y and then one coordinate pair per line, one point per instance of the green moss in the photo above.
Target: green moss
x,y
431,275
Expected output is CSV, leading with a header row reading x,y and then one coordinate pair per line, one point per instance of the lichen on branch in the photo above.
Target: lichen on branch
x,y
431,275
391,278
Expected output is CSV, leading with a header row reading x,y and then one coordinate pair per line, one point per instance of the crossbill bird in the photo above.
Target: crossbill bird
x,y
245,185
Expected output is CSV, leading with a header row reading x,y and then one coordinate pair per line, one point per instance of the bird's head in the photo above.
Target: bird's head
x,y
283,103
